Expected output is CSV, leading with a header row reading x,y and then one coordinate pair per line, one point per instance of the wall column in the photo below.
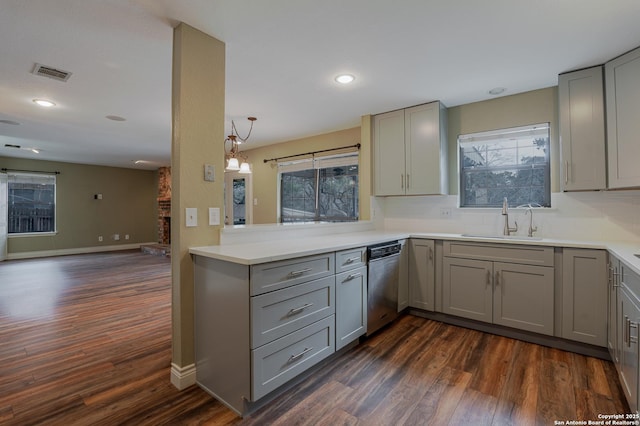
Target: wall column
x,y
198,139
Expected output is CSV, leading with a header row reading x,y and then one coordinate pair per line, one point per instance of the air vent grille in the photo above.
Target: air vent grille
x,y
50,72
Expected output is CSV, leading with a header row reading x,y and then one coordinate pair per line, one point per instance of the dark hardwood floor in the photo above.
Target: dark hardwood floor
x,y
86,340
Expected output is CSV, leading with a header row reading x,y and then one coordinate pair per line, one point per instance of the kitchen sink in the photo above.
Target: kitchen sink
x,y
503,237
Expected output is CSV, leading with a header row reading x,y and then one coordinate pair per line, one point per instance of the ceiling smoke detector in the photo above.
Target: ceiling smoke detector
x,y
51,72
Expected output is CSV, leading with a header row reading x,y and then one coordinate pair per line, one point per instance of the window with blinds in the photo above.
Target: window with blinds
x,y
512,163
31,203
319,189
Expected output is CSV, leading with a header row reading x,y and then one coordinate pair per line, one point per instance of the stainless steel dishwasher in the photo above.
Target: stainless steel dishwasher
x,y
382,287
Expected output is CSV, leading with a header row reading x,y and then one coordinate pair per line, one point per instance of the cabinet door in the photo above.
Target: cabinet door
x,y
582,134
623,126
628,321
467,289
584,296
424,150
612,322
523,297
422,274
351,306
403,282
388,140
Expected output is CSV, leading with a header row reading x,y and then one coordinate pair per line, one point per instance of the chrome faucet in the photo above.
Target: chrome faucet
x,y
505,212
532,228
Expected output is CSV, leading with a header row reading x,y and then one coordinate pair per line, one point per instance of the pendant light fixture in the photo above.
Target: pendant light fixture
x,y
232,154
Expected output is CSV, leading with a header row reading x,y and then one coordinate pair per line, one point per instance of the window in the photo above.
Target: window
x,y
512,163
32,203
320,189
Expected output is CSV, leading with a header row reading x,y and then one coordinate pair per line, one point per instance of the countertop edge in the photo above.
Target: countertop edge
x,y
251,253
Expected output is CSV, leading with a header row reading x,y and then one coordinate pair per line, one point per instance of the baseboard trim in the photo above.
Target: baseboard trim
x,y
183,377
79,250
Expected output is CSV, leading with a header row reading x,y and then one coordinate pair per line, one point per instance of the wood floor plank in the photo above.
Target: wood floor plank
x,y
86,340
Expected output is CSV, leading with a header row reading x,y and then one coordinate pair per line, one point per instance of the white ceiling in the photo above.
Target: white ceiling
x,y
282,57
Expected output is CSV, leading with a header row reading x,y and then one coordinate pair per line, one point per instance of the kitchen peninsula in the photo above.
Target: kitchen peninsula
x,y
266,310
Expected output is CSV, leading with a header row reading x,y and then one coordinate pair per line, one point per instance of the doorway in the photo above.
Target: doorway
x,y
238,204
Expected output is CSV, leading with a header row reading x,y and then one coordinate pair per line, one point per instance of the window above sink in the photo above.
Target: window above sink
x,y
512,163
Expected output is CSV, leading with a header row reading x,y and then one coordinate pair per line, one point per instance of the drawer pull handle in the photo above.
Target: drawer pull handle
x,y
352,259
294,358
299,309
352,276
293,274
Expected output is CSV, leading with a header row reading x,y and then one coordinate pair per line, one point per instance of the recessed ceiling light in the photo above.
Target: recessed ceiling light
x,y
15,123
345,78
116,118
44,103
497,90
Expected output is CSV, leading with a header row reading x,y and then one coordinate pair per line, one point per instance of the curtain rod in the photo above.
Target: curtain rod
x,y
4,169
357,146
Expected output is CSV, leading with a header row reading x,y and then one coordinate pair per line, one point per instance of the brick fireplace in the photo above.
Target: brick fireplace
x,y
164,205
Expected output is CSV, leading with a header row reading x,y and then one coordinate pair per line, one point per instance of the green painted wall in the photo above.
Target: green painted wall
x,y
128,206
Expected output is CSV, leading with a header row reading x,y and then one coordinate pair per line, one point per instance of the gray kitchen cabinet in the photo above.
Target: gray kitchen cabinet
x,y
517,291
403,279
259,326
584,296
467,289
622,76
351,305
582,130
613,283
410,151
422,274
523,297
628,367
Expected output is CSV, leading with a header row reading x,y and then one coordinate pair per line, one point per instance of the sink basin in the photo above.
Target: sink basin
x,y
503,237
637,255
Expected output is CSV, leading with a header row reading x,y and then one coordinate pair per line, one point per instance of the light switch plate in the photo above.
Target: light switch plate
x,y
214,216
192,217
209,173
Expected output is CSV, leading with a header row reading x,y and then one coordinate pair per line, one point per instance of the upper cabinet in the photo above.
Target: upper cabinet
x,y
582,132
410,151
623,119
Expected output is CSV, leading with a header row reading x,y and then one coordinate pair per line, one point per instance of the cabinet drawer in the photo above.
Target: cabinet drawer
x,y
281,312
512,253
277,275
281,360
350,259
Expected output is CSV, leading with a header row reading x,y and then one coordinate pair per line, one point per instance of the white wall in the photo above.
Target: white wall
x,y
601,216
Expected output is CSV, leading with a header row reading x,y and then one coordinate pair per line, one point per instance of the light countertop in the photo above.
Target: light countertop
x,y
262,252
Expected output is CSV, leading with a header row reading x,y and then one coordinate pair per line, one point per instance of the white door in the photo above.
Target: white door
x,y
3,216
238,199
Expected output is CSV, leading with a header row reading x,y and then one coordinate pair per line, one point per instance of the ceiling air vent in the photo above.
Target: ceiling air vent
x,y
50,72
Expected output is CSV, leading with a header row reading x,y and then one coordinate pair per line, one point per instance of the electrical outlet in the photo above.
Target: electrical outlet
x,y
445,212
126,236
100,238
116,237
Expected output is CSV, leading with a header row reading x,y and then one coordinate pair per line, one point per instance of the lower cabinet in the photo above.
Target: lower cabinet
x,y
467,288
351,306
584,296
422,274
628,365
612,313
627,351
511,294
523,297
